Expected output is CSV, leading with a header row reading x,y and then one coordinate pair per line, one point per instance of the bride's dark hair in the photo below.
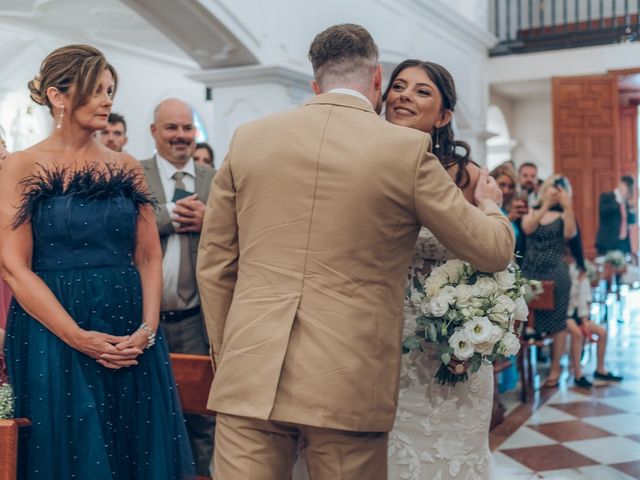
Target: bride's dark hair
x,y
449,151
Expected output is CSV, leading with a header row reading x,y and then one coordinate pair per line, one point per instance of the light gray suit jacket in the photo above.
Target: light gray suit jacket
x,y
204,177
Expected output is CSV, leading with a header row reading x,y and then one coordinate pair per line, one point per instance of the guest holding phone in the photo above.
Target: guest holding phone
x,y
548,228
181,186
514,201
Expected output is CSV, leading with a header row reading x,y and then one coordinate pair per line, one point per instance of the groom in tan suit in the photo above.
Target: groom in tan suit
x,y
302,267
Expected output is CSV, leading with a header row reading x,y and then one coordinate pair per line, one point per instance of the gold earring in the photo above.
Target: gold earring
x,y
60,117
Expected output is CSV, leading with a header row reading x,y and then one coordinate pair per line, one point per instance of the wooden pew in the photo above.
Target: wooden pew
x,y
193,375
9,446
527,359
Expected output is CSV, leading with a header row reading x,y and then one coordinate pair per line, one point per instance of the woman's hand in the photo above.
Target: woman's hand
x,y
563,198
138,339
487,189
102,347
550,198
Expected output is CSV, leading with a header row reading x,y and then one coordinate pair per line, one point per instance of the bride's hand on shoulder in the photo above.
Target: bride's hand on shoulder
x,y
487,189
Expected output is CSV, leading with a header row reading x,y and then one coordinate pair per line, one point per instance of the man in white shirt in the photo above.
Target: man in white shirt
x,y
181,187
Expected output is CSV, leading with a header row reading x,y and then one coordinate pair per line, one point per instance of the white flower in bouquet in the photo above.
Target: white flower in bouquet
x,y
448,292
509,345
454,269
486,348
485,287
434,283
502,310
462,347
468,312
521,309
463,293
439,306
478,330
505,280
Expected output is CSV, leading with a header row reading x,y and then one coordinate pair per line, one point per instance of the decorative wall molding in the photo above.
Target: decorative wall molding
x,y
196,30
253,74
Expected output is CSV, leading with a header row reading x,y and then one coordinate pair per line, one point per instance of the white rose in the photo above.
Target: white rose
x,y
449,292
505,280
434,283
478,329
463,295
439,306
454,269
521,309
462,347
485,348
502,310
496,333
509,345
485,287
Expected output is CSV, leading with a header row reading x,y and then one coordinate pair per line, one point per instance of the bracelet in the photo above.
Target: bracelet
x,y
151,335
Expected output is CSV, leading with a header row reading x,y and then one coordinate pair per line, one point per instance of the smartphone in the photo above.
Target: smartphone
x,y
179,194
561,182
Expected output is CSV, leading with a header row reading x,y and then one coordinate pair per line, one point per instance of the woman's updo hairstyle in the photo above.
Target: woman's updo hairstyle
x,y
449,151
77,65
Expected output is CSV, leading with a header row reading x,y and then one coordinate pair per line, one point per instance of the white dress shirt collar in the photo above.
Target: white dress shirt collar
x,y
353,93
168,169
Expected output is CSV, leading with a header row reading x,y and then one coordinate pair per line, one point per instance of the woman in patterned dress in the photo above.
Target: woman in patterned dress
x,y
548,227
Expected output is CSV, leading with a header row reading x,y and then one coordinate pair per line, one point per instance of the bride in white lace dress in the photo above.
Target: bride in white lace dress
x,y
441,432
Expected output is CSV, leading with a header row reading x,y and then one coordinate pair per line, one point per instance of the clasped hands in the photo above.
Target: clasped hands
x,y
112,351
189,213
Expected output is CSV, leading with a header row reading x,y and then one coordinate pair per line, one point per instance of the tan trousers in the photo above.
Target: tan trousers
x,y
251,449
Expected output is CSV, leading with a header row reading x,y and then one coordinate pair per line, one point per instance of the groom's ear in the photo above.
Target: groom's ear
x,y
315,87
377,80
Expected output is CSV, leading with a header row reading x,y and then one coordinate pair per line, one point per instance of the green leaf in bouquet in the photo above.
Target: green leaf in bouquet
x,y
420,332
446,358
472,279
432,332
417,284
475,362
423,320
412,343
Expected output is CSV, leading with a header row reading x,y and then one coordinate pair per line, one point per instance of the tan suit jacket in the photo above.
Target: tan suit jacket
x,y
304,256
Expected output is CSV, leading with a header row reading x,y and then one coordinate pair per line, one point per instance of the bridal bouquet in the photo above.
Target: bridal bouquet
x,y
470,314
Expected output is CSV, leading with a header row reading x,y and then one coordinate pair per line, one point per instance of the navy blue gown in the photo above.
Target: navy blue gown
x,y
90,422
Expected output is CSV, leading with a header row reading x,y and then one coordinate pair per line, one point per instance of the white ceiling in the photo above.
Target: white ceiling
x,y
147,28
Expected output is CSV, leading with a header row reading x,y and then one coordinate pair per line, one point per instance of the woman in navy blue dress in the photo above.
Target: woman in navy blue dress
x,y
80,250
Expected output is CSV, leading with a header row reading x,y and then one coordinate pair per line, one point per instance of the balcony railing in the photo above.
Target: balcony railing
x,y
523,26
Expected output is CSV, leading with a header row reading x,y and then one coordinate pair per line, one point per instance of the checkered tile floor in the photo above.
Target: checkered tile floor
x,y
581,434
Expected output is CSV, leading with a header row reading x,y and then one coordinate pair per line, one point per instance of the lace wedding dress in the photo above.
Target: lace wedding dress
x,y
441,432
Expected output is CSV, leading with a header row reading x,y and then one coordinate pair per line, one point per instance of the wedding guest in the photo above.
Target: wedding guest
x,y
513,207
181,186
79,249
114,136
5,291
203,154
615,214
529,181
548,226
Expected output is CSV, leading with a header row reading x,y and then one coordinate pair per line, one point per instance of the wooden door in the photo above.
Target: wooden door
x,y
586,146
629,155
